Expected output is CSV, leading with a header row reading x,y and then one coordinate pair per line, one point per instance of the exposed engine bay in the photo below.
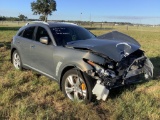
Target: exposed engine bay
x,y
113,74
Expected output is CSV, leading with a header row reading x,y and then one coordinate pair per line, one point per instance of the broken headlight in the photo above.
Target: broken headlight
x,y
97,67
103,73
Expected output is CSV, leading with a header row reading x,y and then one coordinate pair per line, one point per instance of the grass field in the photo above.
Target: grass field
x,y
26,95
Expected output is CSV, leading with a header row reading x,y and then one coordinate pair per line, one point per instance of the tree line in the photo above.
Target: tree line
x,y
4,18
21,17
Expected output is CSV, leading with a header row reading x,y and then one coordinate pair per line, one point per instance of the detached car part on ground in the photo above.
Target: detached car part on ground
x,y
81,63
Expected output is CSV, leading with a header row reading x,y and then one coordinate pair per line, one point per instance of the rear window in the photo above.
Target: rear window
x,y
28,32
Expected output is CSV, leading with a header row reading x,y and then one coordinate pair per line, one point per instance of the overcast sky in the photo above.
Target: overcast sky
x,y
94,10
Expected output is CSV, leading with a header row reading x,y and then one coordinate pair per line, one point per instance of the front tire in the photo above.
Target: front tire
x,y
16,60
76,87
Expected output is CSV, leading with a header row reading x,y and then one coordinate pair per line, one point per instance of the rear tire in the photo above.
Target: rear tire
x,y
76,87
16,60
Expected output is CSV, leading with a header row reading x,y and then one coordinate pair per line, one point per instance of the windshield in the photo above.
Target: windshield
x,y
63,35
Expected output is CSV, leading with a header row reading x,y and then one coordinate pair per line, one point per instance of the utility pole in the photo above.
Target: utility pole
x,y
81,18
90,18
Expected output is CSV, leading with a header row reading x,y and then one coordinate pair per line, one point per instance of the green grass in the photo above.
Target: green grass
x,y
26,95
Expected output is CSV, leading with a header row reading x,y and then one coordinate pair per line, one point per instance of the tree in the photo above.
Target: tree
x,y
22,17
2,18
43,7
42,18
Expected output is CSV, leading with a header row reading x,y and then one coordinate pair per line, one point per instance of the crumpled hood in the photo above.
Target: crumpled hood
x,y
115,35
114,49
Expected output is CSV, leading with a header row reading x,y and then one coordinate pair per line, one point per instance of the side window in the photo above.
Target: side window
x,y
28,32
21,33
41,32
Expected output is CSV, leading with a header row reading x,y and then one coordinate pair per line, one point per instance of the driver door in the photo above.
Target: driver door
x,y
42,54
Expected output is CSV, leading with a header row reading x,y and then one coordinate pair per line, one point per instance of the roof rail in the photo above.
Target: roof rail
x,y
70,23
32,22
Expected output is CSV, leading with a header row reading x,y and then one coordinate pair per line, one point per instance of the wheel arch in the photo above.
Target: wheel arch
x,y
12,51
78,67
63,72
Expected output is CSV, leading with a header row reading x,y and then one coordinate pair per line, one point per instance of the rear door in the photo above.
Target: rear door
x,y
42,54
24,40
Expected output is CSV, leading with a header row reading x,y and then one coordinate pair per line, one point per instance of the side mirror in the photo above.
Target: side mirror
x,y
44,40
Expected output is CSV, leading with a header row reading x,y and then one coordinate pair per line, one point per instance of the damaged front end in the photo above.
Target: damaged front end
x,y
116,60
114,74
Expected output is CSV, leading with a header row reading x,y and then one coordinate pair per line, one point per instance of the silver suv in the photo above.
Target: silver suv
x,y
80,62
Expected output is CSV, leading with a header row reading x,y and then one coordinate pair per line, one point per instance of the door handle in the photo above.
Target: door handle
x,y
32,46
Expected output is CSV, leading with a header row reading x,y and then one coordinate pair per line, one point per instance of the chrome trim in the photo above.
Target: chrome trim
x,y
33,22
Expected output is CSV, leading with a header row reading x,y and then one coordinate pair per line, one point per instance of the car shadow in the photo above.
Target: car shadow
x,y
7,45
4,46
156,64
115,92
